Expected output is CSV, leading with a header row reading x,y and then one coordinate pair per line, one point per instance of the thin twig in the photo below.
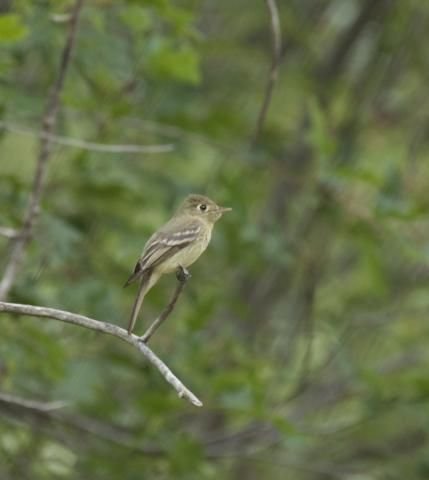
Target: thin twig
x,y
276,35
85,145
8,232
49,121
35,405
168,309
109,329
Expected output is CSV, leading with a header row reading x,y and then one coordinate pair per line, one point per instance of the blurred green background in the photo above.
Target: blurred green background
x,y
304,328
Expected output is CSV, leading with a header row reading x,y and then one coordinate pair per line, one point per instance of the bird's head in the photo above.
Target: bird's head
x,y
203,207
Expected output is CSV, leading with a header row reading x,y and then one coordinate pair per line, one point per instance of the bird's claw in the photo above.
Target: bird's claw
x,y
183,274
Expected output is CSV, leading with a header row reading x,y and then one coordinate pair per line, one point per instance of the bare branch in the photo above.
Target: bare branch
x,y
276,35
183,276
8,232
91,146
49,121
109,329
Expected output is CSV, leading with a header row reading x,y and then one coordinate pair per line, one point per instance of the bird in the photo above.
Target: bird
x,y
175,246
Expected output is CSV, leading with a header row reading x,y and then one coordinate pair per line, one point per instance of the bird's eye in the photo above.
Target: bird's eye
x,y
202,207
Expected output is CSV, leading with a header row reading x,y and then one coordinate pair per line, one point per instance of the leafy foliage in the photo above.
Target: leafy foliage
x,y
304,327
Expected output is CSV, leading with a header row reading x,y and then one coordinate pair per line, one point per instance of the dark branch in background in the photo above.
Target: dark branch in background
x,y
44,420
109,329
49,121
298,159
254,438
85,145
371,10
183,276
41,415
276,57
5,6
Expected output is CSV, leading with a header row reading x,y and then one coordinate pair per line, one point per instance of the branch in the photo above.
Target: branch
x,y
34,405
276,57
85,145
37,413
49,121
109,329
183,276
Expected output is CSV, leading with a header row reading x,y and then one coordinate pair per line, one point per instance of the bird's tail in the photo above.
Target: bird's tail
x,y
138,272
146,283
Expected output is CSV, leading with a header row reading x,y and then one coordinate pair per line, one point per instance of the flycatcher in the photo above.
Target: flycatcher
x,y
177,244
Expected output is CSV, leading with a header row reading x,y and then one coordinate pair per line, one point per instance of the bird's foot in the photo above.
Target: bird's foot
x,y
182,274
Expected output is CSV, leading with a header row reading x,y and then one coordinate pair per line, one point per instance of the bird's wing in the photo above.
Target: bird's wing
x,y
163,245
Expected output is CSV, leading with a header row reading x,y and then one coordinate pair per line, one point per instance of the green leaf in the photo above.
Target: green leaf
x,y
179,62
136,18
11,28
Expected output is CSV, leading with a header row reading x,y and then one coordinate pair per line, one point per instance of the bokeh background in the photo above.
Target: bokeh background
x,y
304,328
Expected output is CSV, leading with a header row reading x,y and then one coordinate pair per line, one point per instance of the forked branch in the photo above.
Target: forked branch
x,y
109,329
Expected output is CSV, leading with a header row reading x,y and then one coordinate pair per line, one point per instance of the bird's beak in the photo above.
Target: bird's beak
x,y
224,209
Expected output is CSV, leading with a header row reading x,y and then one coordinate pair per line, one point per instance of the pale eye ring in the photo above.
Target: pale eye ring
x,y
202,207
